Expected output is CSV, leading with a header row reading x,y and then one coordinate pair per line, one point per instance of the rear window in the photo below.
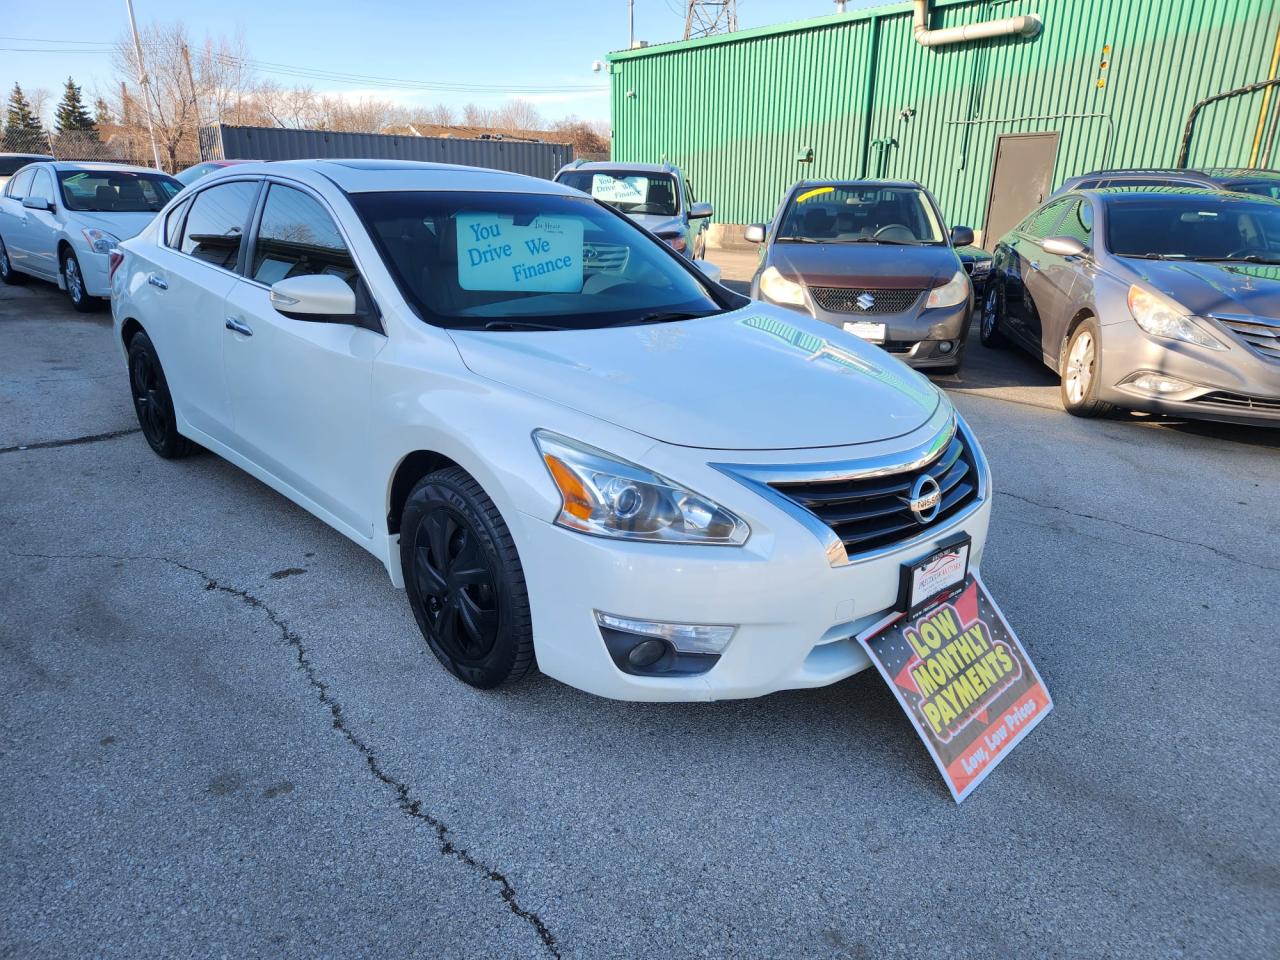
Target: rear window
x,y
215,226
117,191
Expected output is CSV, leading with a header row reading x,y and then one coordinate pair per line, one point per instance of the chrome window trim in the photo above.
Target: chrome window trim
x,y
759,477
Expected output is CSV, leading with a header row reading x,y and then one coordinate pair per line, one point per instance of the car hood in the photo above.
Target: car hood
x,y
878,266
119,225
1205,288
760,378
658,224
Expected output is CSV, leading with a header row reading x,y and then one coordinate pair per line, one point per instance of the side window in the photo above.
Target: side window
x,y
1078,223
20,184
173,225
1040,223
297,238
41,186
215,226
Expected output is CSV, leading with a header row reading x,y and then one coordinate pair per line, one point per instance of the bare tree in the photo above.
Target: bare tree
x,y
516,116
39,99
475,116
440,115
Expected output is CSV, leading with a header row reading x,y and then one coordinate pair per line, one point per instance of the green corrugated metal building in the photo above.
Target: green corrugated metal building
x,y
1114,79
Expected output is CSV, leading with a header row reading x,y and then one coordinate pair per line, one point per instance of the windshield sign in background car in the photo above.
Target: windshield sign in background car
x,y
1162,299
874,259
562,440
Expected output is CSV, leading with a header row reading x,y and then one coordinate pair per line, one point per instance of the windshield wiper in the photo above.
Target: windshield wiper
x,y
669,317
892,243
1154,256
520,325
798,240
1248,258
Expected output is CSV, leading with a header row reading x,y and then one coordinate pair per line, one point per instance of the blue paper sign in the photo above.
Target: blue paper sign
x,y
542,256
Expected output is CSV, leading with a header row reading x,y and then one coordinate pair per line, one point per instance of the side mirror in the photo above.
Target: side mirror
x,y
708,268
1062,246
754,233
700,210
320,297
37,203
961,236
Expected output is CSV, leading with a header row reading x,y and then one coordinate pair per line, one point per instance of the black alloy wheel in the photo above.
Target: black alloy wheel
x,y
989,324
152,401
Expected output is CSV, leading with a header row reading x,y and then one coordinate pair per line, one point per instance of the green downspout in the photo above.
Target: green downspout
x,y
868,102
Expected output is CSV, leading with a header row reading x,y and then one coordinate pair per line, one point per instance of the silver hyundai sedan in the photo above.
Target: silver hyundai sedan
x,y
1165,300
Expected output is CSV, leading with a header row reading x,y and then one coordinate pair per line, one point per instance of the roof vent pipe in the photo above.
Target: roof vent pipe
x,y
1026,26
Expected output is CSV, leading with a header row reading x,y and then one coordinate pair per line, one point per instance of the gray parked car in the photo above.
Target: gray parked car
x,y
655,195
1158,299
874,258
1263,183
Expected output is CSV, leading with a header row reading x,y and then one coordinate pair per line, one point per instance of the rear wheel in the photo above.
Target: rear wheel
x,y
9,275
465,582
990,325
1083,371
73,278
152,401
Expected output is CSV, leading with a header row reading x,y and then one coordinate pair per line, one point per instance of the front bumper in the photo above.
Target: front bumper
x,y
796,614
1233,385
917,336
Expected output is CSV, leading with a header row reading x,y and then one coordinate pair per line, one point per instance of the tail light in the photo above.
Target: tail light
x,y
114,259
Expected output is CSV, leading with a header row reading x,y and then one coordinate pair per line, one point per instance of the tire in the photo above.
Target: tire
x,y
8,275
992,319
73,278
152,401
1082,372
465,582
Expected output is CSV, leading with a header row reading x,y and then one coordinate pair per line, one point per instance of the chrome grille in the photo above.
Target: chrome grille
x,y
1239,401
606,257
867,513
845,300
1262,334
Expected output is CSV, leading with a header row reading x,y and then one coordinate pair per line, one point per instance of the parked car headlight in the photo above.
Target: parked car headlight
x,y
99,240
779,289
954,291
1161,318
674,240
609,497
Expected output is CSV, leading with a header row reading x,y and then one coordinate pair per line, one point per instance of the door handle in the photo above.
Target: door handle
x,y
1035,264
158,282
239,326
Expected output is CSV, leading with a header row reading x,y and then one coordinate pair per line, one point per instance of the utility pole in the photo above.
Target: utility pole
x,y
191,82
631,24
704,18
146,85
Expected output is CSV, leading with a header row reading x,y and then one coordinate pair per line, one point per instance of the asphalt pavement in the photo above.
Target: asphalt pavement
x,y
221,733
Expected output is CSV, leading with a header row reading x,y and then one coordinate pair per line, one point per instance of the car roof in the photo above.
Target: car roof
x,y
380,176
1242,173
70,166
857,182
1217,196
33,157
618,165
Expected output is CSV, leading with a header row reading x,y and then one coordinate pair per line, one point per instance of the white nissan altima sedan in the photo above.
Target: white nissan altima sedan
x,y
569,445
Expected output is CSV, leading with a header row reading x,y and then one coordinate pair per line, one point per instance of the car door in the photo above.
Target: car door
x,y
189,272
301,389
1055,286
13,217
1021,280
40,232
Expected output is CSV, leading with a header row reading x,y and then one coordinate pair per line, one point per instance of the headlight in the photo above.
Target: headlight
x,y
779,289
99,240
1160,318
675,241
955,290
609,497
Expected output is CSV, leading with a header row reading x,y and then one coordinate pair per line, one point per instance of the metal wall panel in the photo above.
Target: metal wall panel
x,y
735,110
271,143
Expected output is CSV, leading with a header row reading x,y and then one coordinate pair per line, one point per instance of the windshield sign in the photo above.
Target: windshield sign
x,y
619,189
861,214
497,253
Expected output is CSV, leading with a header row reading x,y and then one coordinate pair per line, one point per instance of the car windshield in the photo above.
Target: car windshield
x,y
1194,227
861,214
507,261
116,191
630,192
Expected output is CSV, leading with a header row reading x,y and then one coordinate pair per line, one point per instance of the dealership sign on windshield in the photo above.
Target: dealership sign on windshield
x,y
964,680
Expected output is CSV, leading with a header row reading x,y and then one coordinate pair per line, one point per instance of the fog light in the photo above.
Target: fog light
x,y
1158,383
685,637
646,653
945,346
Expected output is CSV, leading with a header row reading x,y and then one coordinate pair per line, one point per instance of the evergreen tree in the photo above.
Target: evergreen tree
x,y
23,130
71,114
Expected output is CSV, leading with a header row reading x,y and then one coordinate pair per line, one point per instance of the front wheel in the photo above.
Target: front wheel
x,y
73,278
1083,371
465,582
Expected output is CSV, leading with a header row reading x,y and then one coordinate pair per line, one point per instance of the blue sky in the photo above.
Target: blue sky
x,y
547,43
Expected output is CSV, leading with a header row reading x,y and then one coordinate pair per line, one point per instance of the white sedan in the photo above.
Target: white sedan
x,y
59,221
567,444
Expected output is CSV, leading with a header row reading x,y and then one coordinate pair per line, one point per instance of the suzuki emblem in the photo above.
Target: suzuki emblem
x,y
865,301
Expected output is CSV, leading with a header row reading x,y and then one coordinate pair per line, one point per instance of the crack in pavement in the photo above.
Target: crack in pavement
x,y
1149,533
73,442
409,806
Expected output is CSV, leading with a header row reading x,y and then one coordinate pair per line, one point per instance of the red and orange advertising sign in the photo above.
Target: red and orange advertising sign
x,y
962,677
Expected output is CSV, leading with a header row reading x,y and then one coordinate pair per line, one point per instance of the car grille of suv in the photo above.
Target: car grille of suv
x,y
871,512
606,257
845,300
1239,401
1260,333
